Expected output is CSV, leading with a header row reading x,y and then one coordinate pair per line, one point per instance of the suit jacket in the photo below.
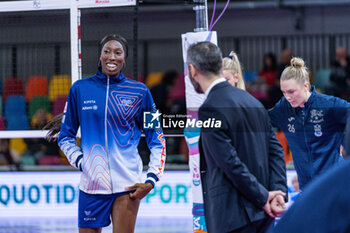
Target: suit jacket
x,y
240,161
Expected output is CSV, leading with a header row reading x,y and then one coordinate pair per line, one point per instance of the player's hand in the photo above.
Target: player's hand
x,y
141,190
278,206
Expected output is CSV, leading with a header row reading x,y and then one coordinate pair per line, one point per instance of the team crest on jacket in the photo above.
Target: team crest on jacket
x,y
316,116
318,130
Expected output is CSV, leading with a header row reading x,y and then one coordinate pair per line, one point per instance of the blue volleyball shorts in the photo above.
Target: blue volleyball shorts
x,y
95,210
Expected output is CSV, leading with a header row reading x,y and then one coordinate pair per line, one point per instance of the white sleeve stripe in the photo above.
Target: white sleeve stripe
x,y
151,179
73,158
73,150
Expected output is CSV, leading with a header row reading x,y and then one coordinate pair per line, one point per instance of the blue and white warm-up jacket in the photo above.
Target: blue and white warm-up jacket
x,y
109,111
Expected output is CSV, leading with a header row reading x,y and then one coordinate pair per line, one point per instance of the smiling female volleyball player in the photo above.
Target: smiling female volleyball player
x,y
109,109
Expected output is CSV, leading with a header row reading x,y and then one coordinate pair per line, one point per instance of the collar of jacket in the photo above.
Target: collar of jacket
x,y
113,79
312,96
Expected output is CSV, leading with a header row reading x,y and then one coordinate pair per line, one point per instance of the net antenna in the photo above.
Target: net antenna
x,y
75,41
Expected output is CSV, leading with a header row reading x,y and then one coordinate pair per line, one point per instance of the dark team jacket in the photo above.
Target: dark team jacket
x,y
314,135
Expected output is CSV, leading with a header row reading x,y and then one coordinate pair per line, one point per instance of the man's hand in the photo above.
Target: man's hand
x,y
278,206
267,206
141,190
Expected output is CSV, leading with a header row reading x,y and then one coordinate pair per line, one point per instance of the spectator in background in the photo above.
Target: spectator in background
x,y
274,91
232,71
39,147
166,105
161,91
177,96
269,70
340,74
286,56
9,155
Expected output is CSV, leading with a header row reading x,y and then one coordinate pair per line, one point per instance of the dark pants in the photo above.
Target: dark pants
x,y
260,226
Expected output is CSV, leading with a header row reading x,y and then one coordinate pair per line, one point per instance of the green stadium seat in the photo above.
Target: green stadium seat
x,y
322,78
28,160
38,102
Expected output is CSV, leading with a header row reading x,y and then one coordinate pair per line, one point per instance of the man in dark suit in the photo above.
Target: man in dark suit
x,y
241,161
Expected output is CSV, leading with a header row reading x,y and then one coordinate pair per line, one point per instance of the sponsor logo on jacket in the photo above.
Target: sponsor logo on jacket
x,y
89,105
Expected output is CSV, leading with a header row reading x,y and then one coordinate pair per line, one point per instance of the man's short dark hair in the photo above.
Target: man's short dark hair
x,y
206,57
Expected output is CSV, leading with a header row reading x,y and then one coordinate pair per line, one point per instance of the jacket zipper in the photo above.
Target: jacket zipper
x,y
305,136
106,137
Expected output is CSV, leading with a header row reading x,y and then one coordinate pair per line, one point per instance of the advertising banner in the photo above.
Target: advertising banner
x,y
55,194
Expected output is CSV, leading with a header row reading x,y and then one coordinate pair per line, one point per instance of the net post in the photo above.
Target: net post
x,y
201,10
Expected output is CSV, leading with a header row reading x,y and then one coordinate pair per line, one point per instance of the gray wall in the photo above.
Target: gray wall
x,y
42,39
252,33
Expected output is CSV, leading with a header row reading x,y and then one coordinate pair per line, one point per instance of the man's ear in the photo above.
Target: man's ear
x,y
193,70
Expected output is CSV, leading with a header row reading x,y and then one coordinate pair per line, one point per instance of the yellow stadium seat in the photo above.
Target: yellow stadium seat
x,y
18,145
153,79
59,86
